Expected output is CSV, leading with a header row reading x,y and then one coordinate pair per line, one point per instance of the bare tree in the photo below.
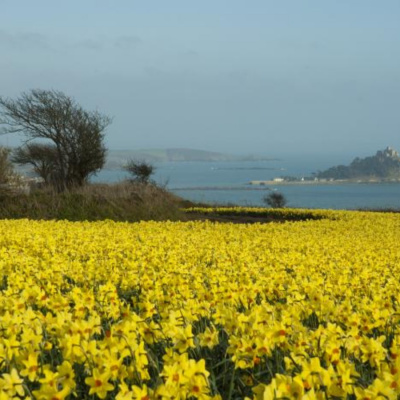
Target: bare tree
x,y
76,135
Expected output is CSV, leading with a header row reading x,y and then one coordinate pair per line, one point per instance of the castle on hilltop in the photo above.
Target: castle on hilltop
x,y
385,164
388,152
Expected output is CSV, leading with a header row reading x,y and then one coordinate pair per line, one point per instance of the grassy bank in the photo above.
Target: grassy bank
x,y
118,202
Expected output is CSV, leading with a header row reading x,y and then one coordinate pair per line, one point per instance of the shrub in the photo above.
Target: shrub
x,y
275,200
140,171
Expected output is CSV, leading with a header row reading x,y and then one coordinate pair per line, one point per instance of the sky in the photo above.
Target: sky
x,y
262,76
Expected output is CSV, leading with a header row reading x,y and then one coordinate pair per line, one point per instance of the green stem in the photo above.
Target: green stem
x,y
231,385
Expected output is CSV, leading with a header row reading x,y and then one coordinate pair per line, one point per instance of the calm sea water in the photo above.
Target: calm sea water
x,y
227,182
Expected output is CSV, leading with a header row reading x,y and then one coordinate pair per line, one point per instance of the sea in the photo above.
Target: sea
x,y
227,183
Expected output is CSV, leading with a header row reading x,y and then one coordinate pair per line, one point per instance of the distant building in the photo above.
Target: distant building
x,y
388,152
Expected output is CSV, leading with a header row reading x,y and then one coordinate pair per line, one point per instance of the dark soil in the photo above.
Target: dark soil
x,y
239,218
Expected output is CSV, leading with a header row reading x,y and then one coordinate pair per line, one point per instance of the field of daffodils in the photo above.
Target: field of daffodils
x,y
200,310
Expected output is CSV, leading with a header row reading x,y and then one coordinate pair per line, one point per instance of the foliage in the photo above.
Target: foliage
x,y
42,157
74,135
275,200
303,310
140,171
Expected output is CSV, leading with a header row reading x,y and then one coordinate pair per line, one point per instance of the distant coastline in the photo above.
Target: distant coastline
x,y
324,182
117,158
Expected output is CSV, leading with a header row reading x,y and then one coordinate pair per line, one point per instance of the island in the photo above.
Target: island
x,y
384,166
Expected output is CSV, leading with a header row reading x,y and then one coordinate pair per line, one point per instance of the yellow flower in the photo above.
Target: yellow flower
x,y
314,375
99,384
66,375
209,338
50,378
47,392
378,390
183,338
290,387
141,393
31,367
124,392
11,383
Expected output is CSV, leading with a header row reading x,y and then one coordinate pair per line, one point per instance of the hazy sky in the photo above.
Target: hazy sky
x,y
257,76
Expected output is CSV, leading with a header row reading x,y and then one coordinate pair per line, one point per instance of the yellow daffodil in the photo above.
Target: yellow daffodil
x,y
99,383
